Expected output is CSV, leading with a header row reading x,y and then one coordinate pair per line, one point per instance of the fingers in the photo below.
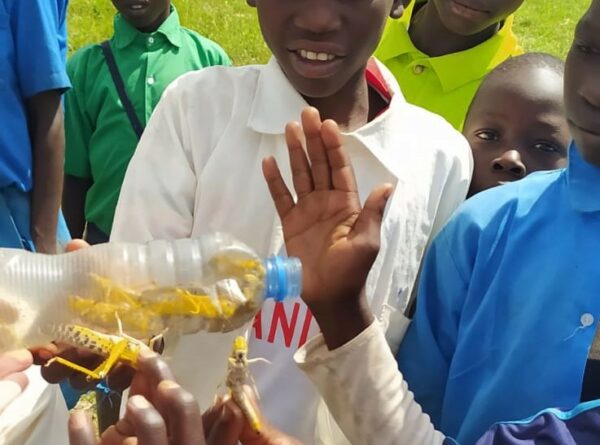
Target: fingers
x,y
319,164
150,427
224,424
76,244
282,198
299,166
183,413
368,224
342,173
81,431
15,361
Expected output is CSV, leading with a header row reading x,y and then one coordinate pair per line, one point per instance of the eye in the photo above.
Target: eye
x,y
547,147
487,135
587,49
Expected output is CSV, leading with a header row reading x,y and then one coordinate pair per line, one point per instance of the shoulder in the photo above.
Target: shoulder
x,y
83,56
499,207
215,84
206,45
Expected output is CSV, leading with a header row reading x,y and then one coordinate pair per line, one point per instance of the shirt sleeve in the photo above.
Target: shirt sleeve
x,y
364,391
160,184
38,29
428,347
78,124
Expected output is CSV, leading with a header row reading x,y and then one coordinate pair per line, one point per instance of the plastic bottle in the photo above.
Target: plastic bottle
x,y
213,284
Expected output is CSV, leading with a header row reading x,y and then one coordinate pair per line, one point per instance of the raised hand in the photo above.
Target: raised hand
x,y
336,239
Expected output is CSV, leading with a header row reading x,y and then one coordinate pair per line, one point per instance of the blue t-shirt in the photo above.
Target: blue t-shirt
x,y
509,301
32,60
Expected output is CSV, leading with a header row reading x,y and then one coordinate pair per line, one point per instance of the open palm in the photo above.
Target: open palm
x,y
335,238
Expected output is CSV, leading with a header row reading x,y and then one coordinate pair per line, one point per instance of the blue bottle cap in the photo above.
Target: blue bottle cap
x,y
284,278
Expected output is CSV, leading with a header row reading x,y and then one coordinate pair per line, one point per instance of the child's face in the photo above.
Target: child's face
x,y
516,126
145,15
322,44
582,85
469,17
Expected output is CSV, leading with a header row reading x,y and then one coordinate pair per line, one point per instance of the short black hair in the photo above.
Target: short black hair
x,y
515,64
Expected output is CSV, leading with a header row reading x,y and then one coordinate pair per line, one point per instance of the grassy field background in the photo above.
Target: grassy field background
x,y
542,25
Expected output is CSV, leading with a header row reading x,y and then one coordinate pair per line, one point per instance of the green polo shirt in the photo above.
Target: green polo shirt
x,y
100,140
446,84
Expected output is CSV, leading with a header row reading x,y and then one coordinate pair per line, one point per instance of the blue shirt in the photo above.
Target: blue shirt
x,y
32,60
509,301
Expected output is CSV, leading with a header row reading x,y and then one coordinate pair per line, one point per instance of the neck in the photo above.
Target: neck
x,y
350,107
430,36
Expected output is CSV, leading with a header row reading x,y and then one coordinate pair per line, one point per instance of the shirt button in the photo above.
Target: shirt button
x,y
587,320
418,69
150,80
150,40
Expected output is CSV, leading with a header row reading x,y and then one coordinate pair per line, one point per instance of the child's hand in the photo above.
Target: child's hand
x,y
163,413
12,379
336,240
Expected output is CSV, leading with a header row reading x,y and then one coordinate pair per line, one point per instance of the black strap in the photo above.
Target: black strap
x,y
138,128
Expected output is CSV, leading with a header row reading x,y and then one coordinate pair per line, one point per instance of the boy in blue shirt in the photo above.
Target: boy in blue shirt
x,y
508,306
33,78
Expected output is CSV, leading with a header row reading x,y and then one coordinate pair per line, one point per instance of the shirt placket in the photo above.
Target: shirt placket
x,y
151,82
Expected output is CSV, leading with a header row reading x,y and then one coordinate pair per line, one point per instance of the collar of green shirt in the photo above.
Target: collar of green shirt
x,y
456,69
125,34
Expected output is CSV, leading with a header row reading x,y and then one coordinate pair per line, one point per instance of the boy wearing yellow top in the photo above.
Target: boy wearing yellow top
x,y
441,50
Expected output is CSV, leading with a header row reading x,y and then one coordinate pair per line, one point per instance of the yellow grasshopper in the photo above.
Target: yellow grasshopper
x,y
116,348
238,375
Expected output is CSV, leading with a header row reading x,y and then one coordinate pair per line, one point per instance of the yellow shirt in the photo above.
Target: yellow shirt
x,y
446,84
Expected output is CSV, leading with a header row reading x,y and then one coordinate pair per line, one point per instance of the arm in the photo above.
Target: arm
x,y
371,404
79,129
48,144
74,194
36,26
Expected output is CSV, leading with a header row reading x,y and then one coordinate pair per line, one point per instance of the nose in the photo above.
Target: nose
x,y
510,161
318,17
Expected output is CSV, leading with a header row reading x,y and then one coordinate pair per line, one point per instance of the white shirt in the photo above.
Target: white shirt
x,y
38,416
367,395
197,170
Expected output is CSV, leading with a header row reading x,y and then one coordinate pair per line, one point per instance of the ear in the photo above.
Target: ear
x,y
251,3
397,8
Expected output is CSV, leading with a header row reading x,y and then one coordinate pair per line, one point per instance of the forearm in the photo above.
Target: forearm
x,y
341,323
73,203
365,392
48,144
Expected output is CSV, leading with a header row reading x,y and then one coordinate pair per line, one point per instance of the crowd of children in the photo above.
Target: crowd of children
x,y
355,164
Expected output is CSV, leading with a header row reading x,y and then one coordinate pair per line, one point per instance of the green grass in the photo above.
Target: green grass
x,y
542,25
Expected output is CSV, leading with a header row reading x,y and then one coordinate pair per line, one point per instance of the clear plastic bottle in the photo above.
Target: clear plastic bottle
x,y
213,284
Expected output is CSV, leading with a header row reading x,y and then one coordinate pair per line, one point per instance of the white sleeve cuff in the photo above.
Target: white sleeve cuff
x,y
365,392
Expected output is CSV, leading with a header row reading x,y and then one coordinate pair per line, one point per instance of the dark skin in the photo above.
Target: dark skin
x,y
46,128
336,239
160,412
348,34
442,27
144,15
582,89
517,127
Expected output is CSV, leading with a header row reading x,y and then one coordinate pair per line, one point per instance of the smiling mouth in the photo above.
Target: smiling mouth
x,y
138,6
315,56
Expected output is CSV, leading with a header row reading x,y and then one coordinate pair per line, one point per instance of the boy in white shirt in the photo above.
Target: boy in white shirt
x,y
197,170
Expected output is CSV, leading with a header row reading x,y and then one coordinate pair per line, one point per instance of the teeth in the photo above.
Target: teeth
x,y
137,6
311,55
